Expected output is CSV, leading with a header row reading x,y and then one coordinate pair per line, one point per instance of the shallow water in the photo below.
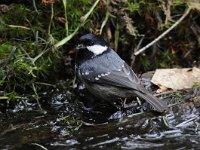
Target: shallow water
x,y
59,127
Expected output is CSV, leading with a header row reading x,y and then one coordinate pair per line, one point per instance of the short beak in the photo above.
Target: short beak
x,y
80,46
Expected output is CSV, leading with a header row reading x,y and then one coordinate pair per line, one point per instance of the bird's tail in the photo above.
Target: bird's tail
x,y
152,100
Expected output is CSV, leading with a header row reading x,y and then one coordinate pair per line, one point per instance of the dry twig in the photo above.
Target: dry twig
x,y
164,33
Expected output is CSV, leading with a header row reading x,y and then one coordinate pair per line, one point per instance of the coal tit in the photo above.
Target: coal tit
x,y
106,75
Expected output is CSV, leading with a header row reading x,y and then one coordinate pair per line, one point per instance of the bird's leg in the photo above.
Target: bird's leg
x,y
86,109
130,105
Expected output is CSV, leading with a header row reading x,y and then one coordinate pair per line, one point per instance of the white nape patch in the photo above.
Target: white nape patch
x,y
97,49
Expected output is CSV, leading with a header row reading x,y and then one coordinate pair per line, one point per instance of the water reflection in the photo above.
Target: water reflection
x,y
61,128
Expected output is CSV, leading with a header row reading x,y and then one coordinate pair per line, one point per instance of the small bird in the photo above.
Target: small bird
x,y
106,76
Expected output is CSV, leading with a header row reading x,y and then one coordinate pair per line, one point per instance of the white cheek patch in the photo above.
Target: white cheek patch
x,y
97,49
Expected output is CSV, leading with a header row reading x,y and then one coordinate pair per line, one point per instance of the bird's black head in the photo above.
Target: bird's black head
x,y
92,45
91,39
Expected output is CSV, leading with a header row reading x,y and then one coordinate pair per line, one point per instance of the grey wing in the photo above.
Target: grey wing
x,y
126,78
123,77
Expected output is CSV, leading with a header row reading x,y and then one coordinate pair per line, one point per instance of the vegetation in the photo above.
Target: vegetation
x,y
37,39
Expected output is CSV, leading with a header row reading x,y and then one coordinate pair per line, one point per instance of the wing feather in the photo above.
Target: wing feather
x,y
124,77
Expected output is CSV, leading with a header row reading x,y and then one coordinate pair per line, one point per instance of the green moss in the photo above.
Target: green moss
x,y
145,62
134,6
196,84
5,49
177,94
178,3
16,22
140,5
26,46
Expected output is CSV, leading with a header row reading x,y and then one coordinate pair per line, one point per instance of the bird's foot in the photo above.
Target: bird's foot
x,y
129,105
88,109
